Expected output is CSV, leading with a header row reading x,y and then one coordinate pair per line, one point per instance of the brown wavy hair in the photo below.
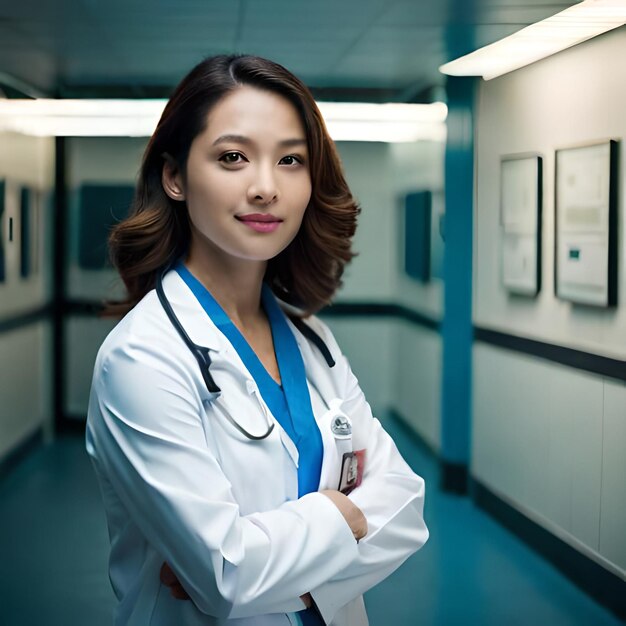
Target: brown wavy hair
x,y
307,273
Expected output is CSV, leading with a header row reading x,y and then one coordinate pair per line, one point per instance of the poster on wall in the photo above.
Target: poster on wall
x,y
520,223
417,235
26,196
30,214
101,207
2,261
586,224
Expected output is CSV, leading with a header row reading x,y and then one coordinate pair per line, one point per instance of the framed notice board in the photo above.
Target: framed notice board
x,y
417,225
586,224
2,235
101,206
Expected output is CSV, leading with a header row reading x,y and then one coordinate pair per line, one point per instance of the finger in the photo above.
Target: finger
x,y
167,576
178,592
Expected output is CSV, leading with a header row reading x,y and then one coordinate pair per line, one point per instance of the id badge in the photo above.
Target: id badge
x,y
352,466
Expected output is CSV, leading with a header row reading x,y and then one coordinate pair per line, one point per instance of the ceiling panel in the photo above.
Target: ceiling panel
x,y
87,47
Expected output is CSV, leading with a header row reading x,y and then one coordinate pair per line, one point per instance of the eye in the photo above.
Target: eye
x,y
292,159
232,158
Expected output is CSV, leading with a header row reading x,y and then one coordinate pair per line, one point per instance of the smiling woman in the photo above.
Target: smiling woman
x,y
245,186
244,477
158,231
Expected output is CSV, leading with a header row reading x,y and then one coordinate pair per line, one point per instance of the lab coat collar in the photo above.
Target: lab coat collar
x,y
197,324
204,332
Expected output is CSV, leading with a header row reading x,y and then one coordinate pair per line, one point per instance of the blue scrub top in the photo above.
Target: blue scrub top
x,y
289,403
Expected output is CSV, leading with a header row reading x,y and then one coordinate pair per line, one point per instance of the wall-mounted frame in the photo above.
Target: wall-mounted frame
x,y
29,218
586,224
520,223
417,235
101,207
2,236
26,204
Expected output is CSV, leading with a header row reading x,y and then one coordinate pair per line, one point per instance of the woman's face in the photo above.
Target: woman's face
x,y
247,181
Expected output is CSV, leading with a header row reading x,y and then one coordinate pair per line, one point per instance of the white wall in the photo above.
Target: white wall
x,y
26,161
417,385
25,353
91,160
574,97
25,386
114,160
548,438
398,364
379,175
550,441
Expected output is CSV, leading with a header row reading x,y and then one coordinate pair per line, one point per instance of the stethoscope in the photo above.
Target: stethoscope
x,y
201,354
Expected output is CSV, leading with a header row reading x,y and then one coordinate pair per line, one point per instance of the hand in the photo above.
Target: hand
x,y
170,579
350,511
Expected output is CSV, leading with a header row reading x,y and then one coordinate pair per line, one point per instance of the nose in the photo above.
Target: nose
x,y
263,188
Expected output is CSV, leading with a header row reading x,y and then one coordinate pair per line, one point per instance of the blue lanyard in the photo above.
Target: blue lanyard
x,y
289,403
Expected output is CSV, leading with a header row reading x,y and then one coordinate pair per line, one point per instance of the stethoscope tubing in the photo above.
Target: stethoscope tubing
x,y
201,354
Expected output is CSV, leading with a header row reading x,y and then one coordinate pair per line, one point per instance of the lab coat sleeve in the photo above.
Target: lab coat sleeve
x,y
391,497
146,430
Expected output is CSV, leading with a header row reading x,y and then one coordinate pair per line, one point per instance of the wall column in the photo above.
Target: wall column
x,y
456,329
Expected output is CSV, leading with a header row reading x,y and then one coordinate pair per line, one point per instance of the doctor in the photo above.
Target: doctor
x,y
244,478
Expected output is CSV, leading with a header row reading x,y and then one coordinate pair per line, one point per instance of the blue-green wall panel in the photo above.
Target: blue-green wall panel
x,y
457,321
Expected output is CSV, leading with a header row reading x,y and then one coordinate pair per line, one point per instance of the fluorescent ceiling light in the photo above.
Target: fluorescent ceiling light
x,y
138,118
537,41
347,121
76,118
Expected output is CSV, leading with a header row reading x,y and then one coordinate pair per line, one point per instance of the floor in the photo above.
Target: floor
x,y
54,545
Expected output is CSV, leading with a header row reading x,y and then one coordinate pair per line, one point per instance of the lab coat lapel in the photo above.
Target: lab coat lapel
x,y
192,316
319,374
204,332
326,400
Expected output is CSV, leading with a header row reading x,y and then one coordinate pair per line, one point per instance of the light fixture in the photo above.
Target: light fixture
x,y
76,118
537,41
138,118
349,121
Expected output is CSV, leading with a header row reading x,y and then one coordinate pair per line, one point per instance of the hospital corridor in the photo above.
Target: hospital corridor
x,y
472,570
479,149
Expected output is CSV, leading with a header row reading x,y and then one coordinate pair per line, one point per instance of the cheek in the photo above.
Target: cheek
x,y
205,204
302,195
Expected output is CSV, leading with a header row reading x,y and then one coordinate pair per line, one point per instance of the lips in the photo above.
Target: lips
x,y
258,217
260,222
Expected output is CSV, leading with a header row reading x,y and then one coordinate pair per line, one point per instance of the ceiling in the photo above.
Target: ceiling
x,y
367,50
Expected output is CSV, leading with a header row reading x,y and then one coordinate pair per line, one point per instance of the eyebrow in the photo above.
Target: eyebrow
x,y
248,141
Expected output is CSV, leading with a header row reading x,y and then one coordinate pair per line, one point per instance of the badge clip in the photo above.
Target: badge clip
x,y
340,426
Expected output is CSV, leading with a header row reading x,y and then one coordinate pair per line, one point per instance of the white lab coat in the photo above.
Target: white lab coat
x,y
181,484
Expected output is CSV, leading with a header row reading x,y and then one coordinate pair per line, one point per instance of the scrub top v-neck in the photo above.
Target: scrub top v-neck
x,y
289,402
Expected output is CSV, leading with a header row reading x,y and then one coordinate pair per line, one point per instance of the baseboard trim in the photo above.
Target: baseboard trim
x,y
454,478
71,424
602,585
411,432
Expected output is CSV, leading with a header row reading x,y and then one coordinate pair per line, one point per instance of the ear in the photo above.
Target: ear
x,y
172,179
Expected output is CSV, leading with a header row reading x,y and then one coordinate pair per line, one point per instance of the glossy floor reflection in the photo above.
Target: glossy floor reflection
x,y
54,546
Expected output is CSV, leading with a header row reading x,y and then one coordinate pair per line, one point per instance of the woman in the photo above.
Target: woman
x,y
244,477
